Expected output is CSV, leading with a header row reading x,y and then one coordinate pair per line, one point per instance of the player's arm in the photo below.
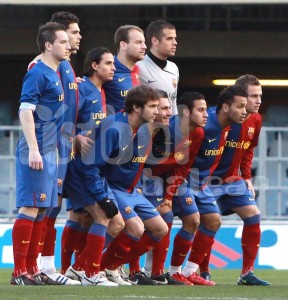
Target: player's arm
x,y
28,126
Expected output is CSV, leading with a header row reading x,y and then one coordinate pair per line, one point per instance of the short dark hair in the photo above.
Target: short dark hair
x,y
155,29
247,79
227,95
187,101
162,94
93,55
138,96
47,33
64,17
122,34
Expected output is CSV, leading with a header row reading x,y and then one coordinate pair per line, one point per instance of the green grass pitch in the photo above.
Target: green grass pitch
x,y
226,288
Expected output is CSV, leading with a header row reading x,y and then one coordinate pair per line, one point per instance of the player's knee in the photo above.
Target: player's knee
x,y
135,229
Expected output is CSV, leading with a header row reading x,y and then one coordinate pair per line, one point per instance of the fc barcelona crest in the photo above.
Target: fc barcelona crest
x,y
42,197
251,131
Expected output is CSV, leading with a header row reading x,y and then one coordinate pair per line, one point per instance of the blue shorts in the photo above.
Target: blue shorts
x,y
134,204
37,188
205,201
183,203
232,195
64,152
79,197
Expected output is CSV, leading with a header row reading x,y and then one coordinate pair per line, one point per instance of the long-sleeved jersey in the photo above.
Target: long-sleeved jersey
x,y
117,89
117,155
210,151
160,77
236,161
173,154
92,106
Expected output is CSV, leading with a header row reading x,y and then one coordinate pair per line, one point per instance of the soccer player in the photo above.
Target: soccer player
x,y
98,68
68,79
155,70
232,186
41,117
119,153
231,108
130,45
173,155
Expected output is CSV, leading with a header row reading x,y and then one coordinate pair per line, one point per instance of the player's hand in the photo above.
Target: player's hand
x,y
35,160
108,207
83,144
79,80
166,202
250,187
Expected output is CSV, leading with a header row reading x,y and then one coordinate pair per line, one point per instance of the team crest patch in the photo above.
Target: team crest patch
x,y
251,131
137,77
179,155
246,145
42,197
189,200
187,143
128,210
60,182
174,83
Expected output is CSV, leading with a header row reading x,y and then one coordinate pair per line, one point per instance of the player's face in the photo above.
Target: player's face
x,y
254,98
74,35
237,110
164,112
166,46
135,48
199,116
60,49
105,69
149,112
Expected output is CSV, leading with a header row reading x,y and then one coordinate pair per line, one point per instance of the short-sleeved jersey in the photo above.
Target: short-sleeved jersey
x,y
117,89
117,154
71,97
174,155
92,105
210,151
42,87
238,151
165,79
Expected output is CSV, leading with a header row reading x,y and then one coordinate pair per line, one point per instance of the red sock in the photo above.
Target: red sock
x,y
33,250
116,250
50,238
90,257
80,243
181,247
21,235
251,236
68,238
201,247
159,253
145,243
204,266
43,234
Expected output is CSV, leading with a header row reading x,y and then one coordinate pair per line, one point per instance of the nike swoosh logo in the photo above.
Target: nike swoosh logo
x,y
211,140
251,199
41,244
57,83
121,79
151,81
67,71
159,199
95,265
25,242
181,254
154,209
124,148
94,101
140,147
